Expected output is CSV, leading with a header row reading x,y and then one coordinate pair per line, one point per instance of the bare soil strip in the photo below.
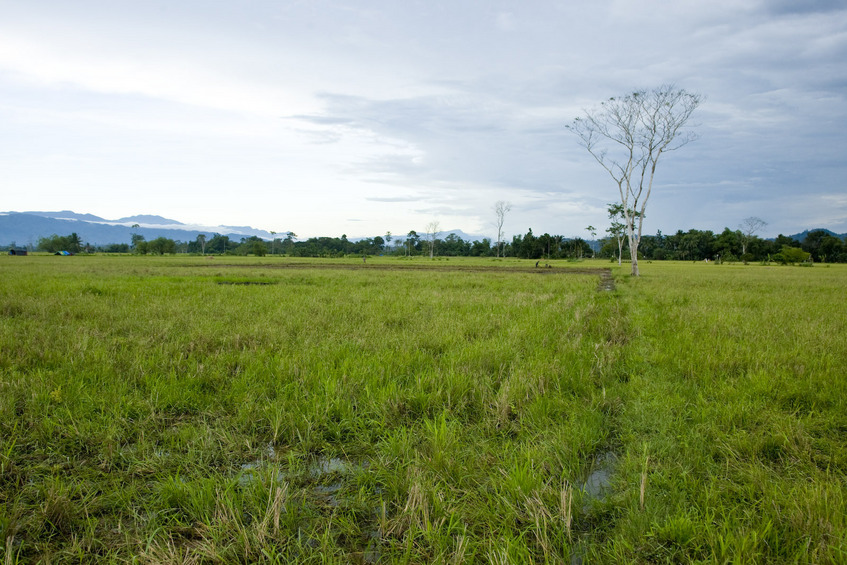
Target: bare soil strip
x,y
607,281
606,274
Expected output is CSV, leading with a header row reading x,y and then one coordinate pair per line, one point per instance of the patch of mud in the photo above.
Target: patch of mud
x,y
372,553
607,281
440,267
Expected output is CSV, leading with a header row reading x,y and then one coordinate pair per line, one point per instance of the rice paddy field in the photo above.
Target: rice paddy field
x,y
272,410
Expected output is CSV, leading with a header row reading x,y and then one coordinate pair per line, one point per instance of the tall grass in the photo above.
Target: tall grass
x,y
279,411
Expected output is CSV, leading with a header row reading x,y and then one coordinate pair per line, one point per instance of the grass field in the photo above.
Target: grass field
x,y
194,410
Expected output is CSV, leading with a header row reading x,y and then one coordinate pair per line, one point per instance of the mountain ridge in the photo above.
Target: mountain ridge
x,y
26,228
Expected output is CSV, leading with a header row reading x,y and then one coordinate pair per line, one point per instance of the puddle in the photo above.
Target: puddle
x,y
599,482
324,478
326,466
323,466
596,487
328,494
315,470
249,471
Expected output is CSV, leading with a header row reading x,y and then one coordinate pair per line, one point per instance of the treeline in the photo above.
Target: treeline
x,y
693,245
696,245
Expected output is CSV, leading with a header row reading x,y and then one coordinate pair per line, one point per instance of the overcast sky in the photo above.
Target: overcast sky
x,y
327,117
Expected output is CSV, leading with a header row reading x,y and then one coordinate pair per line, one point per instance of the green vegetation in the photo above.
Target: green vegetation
x,y
694,245
167,409
55,243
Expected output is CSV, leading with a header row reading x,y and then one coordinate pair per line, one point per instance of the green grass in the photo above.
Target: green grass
x,y
173,409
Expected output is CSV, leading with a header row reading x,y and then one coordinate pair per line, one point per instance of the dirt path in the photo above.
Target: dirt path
x,y
603,273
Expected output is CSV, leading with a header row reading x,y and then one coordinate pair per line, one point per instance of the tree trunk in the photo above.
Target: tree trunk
x,y
633,252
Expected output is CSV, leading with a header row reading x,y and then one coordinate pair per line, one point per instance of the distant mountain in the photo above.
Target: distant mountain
x,y
67,215
462,235
148,219
26,228
802,235
441,235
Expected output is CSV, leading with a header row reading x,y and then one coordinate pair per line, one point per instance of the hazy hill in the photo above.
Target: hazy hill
x,y
25,228
148,219
802,235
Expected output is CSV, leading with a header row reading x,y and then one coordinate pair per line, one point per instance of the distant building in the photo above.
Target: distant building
x,y
17,251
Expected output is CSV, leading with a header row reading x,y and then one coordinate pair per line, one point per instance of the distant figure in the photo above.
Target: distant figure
x,y
536,263
364,259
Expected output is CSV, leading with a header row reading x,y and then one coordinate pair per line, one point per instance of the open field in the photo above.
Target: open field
x,y
193,410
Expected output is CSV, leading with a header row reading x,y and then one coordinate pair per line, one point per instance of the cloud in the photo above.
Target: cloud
x,y
393,199
393,112
803,6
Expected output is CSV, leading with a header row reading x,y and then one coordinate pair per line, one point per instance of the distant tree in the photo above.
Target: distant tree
x,y
412,240
201,241
822,246
345,244
592,231
749,227
273,241
388,238
481,248
832,250
259,249
161,245
288,242
454,246
432,230
578,248
56,243
116,248
791,255
501,208
139,245
218,244
617,229
627,137
728,244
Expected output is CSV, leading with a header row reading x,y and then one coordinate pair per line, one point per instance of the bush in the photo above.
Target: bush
x,y
791,255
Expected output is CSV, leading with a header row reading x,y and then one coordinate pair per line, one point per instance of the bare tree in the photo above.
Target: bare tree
x,y
593,232
627,136
501,208
432,229
617,229
749,227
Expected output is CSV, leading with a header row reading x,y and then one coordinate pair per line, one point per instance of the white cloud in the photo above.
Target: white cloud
x,y
391,112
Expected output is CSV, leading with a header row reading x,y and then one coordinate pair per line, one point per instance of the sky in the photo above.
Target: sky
x,y
327,117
